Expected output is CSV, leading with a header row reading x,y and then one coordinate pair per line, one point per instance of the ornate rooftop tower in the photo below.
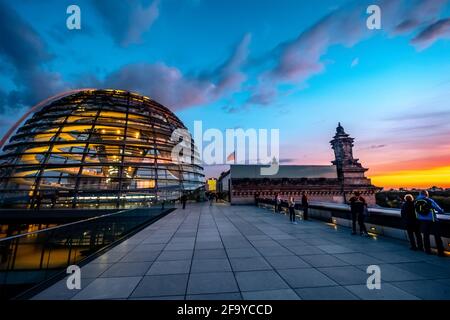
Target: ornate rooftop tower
x,y
349,170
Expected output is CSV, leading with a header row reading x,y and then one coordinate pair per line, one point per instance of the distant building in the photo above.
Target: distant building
x,y
330,183
223,185
211,185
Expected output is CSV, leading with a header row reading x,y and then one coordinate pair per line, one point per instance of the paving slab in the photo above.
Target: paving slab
x,y
244,252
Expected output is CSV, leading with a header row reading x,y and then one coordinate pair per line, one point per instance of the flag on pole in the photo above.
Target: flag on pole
x,y
232,156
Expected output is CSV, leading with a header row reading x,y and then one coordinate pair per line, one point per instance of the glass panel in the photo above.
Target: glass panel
x,y
43,253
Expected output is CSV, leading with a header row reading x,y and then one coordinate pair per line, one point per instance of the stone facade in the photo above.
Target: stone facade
x,y
335,183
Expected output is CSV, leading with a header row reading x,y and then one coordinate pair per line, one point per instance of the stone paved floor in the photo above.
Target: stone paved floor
x,y
244,252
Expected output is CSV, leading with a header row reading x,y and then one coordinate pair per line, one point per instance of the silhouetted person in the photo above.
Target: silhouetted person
x,y
291,205
426,210
358,207
38,201
411,223
183,201
277,203
305,205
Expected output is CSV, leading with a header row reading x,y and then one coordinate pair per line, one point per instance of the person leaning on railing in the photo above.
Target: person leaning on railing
x,y
411,224
358,209
426,211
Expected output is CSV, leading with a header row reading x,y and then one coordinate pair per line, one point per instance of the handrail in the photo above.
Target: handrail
x,y
377,210
67,224
385,211
76,242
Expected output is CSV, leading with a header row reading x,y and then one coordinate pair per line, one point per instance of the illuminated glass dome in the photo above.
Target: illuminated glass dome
x,y
95,149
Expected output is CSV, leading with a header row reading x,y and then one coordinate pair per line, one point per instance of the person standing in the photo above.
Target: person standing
x,y
358,208
305,205
183,201
291,205
38,201
277,203
411,223
426,212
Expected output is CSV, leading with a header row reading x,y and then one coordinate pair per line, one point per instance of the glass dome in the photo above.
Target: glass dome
x,y
95,149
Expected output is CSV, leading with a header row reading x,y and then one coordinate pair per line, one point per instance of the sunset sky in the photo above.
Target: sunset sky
x,y
299,66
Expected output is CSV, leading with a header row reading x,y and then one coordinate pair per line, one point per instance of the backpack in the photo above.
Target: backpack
x,y
423,209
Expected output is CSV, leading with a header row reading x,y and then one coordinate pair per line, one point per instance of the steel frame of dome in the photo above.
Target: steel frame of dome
x,y
95,148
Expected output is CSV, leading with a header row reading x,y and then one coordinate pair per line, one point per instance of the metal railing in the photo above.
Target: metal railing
x,y
382,221
31,258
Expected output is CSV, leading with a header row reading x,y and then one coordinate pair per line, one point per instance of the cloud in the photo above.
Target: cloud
x,y
287,160
298,60
27,54
126,21
171,87
354,63
229,74
291,62
415,117
295,61
64,36
264,95
435,31
421,12
163,83
3,97
377,146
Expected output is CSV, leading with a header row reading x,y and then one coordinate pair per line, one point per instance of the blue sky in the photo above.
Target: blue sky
x,y
300,66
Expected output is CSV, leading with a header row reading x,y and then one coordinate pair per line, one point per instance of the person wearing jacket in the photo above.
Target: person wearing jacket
x,y
183,201
277,203
358,207
426,210
411,223
305,205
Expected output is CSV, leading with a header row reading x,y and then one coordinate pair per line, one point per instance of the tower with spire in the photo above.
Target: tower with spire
x,y
349,171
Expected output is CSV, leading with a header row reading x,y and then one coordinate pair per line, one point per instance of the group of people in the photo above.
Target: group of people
x,y
291,206
419,217
211,197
